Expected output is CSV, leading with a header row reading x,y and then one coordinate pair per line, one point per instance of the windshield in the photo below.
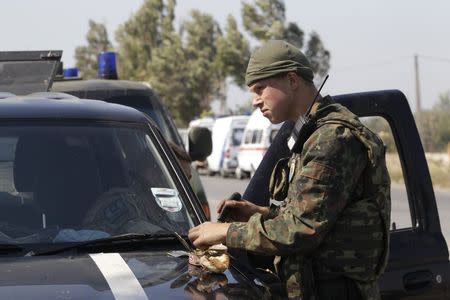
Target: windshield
x,y
83,182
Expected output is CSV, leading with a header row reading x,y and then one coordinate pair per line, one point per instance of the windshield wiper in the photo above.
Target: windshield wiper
x,y
128,237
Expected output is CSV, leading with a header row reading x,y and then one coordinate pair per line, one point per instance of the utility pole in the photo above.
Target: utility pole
x,y
416,69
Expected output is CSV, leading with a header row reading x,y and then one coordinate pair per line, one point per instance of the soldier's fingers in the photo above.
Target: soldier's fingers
x,y
197,244
233,203
221,205
193,233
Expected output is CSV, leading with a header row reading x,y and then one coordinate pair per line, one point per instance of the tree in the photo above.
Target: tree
x,y
86,56
168,76
233,53
188,68
201,32
265,20
138,37
434,125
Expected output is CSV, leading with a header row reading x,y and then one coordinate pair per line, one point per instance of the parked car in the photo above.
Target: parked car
x,y
90,199
141,97
226,138
258,135
93,201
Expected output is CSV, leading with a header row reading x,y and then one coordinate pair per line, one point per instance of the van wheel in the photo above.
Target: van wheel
x,y
223,174
211,173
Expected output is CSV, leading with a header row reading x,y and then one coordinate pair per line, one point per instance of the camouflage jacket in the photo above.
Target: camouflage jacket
x,y
335,220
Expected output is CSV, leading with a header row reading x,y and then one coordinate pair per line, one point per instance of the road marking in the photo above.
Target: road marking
x,y
122,281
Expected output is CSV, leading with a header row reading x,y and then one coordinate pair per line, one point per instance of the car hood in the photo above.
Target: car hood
x,y
137,275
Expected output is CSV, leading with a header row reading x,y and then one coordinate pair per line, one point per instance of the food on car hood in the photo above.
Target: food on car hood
x,y
215,259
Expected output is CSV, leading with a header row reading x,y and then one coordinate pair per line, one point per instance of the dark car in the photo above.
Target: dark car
x,y
93,202
91,197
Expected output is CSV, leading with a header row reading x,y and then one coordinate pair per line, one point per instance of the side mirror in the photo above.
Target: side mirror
x,y
200,143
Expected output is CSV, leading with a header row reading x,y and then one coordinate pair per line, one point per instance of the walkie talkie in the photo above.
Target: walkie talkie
x,y
225,214
304,126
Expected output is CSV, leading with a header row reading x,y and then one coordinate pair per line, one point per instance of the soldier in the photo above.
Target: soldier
x,y
330,237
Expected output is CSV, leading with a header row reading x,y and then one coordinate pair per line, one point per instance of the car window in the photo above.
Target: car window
x,y
257,136
400,212
236,136
72,183
248,137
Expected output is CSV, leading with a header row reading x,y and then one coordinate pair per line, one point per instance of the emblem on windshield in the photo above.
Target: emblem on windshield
x,y
167,199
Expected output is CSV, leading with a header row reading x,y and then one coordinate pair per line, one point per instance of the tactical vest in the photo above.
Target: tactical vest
x,y
354,248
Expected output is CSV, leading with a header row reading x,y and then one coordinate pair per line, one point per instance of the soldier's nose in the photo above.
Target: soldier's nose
x,y
257,102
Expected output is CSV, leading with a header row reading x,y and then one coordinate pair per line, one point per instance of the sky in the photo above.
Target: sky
x,y
372,42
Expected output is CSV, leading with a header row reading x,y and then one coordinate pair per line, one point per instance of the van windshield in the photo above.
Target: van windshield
x,y
62,183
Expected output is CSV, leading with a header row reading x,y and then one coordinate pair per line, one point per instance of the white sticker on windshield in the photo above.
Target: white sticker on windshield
x,y
167,199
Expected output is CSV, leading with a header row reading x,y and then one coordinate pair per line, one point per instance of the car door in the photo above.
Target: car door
x,y
418,266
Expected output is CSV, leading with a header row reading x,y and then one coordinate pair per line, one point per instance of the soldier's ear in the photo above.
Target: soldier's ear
x,y
294,80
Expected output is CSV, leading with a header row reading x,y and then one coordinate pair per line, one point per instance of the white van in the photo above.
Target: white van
x,y
258,136
226,138
202,122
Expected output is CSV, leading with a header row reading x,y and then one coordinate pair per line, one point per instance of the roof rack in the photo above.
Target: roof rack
x,y
39,55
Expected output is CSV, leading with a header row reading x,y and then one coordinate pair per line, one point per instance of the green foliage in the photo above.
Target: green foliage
x,y
193,66
434,125
233,53
138,36
206,114
381,127
200,34
168,76
318,55
86,56
188,69
265,20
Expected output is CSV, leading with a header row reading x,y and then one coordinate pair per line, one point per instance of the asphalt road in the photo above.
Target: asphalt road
x,y
218,188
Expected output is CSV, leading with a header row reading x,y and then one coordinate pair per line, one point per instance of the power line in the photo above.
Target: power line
x,y
435,58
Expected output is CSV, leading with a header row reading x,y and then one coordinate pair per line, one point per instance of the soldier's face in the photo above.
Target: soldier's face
x,y
274,97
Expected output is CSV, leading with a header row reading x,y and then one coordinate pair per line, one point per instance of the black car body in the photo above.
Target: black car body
x,y
74,189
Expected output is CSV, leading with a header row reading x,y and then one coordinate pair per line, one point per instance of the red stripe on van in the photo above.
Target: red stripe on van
x,y
253,148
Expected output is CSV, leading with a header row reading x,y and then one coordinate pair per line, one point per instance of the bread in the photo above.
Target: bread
x,y
214,259
215,264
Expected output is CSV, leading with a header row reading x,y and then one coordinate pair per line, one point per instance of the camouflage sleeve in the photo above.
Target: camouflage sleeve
x,y
333,160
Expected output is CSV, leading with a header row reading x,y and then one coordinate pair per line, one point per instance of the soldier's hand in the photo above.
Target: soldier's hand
x,y
208,234
240,210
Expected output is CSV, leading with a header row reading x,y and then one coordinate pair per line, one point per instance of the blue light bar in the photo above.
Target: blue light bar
x,y
106,68
70,72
